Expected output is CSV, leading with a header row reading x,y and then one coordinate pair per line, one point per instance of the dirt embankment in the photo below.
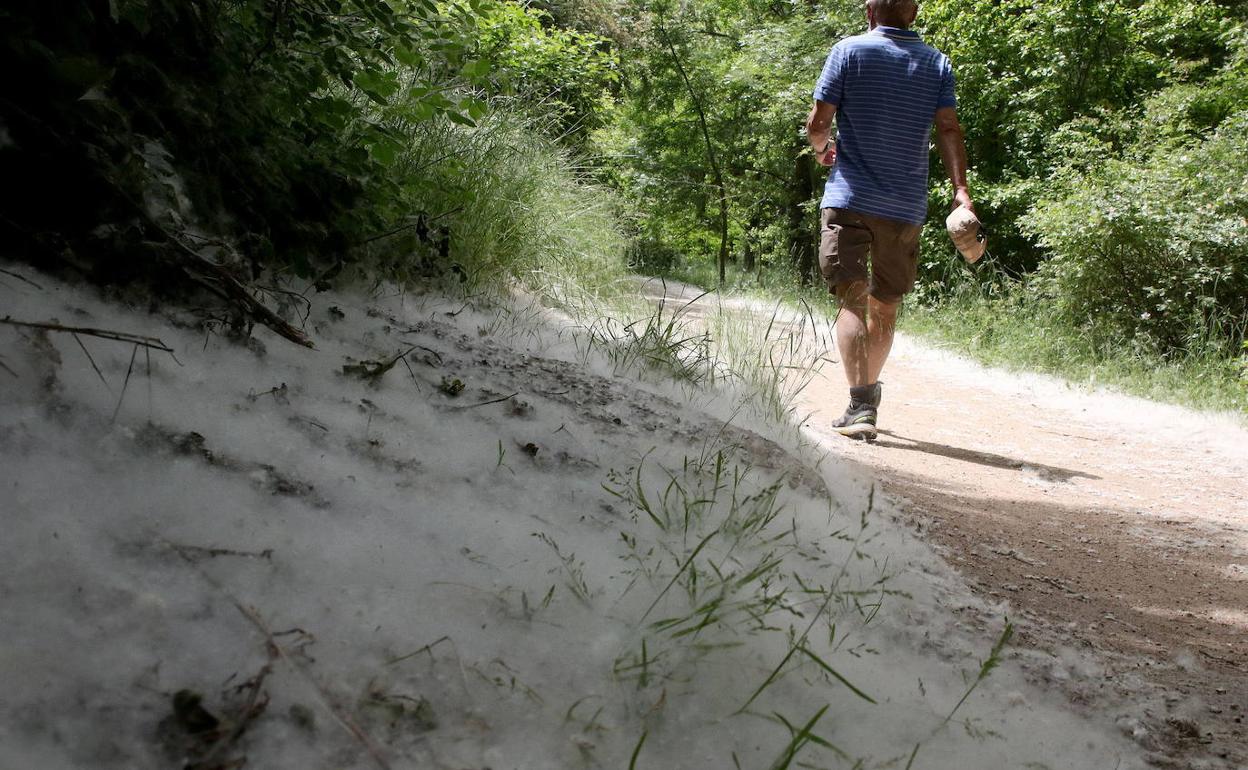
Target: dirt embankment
x,y
1111,525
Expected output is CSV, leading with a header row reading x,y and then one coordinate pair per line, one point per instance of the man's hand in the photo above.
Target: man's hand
x,y
819,132
828,156
962,197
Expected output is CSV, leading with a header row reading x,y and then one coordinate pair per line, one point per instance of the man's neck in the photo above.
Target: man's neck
x,y
886,29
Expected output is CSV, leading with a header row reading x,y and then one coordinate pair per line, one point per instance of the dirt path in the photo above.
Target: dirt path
x,y
1112,531
1111,524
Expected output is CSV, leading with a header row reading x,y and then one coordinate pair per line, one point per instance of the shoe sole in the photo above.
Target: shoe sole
x,y
859,432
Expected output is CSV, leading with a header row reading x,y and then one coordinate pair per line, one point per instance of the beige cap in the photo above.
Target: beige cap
x,y
967,233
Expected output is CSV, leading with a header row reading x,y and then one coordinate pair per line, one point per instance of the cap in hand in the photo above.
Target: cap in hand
x,y
967,233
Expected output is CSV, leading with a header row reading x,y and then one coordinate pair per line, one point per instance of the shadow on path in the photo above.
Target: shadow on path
x,y
1049,472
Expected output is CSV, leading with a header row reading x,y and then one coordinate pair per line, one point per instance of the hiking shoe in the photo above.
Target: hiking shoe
x,y
858,422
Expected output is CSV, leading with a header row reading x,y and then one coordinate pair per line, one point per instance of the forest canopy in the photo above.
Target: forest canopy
x,y
471,140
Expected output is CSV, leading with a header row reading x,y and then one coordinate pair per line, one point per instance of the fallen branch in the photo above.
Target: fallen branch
x,y
430,351
427,648
126,383
251,710
311,422
294,296
343,720
218,280
372,371
21,277
91,360
104,334
486,403
186,551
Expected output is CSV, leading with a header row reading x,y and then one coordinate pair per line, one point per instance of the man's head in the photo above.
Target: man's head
x,y
892,13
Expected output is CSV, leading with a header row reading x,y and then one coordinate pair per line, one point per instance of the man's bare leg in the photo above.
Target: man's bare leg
x,y
864,332
860,341
881,324
853,333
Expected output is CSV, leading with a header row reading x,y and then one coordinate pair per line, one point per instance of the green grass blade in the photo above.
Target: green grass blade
x,y
632,761
985,668
913,754
800,739
676,577
836,675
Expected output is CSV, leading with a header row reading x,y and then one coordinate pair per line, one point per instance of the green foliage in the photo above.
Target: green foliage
x,y
1018,329
1025,68
571,74
1030,74
747,73
253,120
304,138
496,202
1103,139
417,139
1154,251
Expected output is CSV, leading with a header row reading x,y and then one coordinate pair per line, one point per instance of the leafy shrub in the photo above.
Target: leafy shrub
x,y
492,202
570,73
1154,250
651,256
256,110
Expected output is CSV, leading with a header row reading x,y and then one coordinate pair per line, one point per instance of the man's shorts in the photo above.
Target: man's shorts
x,y
848,237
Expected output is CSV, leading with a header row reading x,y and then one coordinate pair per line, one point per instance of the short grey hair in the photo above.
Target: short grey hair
x,y
893,13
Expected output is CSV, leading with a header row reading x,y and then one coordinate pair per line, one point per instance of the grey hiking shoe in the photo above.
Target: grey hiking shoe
x,y
858,422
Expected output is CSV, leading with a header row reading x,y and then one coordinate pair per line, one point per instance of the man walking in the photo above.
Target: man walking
x,y
884,89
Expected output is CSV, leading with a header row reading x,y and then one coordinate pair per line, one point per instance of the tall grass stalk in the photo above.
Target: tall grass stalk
x,y
769,356
831,594
800,738
497,206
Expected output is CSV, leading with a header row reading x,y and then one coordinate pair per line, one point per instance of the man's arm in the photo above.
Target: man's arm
x,y
952,149
819,132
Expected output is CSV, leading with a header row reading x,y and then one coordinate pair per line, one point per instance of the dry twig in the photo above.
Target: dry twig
x,y
87,353
220,281
252,709
343,720
485,403
126,382
104,334
21,277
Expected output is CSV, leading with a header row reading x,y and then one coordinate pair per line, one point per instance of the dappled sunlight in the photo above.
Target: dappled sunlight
x,y
1227,616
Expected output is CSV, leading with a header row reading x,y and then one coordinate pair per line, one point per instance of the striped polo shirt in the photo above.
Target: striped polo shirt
x,y
887,85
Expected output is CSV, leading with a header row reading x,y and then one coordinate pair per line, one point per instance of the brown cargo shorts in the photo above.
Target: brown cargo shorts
x,y
847,238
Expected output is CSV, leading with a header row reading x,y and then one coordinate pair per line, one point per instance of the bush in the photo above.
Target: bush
x,y
146,140
257,111
489,203
571,74
651,256
1155,250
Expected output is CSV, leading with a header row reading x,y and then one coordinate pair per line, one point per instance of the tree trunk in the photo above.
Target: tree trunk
x,y
802,232
710,155
748,258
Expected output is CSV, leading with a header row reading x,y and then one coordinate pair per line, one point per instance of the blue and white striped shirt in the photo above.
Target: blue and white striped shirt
x,y
887,85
